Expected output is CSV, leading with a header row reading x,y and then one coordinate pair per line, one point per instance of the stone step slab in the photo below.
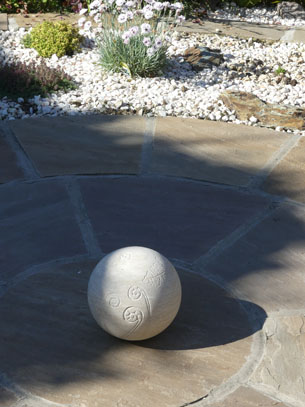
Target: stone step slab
x,y
3,21
247,105
243,29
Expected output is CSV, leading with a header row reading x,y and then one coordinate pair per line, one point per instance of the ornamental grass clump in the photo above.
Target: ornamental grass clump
x,y
132,38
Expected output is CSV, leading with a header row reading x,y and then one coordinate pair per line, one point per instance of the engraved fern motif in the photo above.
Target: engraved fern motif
x,y
135,316
155,275
135,293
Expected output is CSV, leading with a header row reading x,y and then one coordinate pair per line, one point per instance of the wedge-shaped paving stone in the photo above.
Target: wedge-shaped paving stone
x,y
266,266
288,177
283,367
217,152
9,170
177,218
7,398
51,346
247,397
36,225
82,145
3,21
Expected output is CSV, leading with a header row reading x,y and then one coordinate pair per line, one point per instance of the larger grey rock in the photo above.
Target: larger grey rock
x,y
51,346
203,57
247,105
290,9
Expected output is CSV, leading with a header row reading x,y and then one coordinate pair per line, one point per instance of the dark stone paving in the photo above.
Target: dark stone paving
x,y
9,169
267,264
181,220
37,224
82,145
53,348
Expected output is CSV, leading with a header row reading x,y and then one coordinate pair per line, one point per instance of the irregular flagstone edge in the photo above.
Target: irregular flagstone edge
x,y
275,385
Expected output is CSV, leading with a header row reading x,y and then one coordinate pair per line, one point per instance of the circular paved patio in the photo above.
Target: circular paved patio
x,y
211,197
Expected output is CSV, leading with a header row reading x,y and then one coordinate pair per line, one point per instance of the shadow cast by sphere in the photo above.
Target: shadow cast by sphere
x,y
208,317
50,341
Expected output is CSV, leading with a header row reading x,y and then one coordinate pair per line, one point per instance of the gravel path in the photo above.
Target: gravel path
x,y
257,15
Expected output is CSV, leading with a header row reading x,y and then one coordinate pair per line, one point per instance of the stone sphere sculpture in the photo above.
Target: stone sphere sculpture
x,y
134,293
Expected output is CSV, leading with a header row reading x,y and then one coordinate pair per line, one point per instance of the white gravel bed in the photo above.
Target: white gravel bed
x,y
257,15
248,66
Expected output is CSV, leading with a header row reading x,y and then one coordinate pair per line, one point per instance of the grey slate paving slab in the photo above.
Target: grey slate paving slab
x,y
36,225
53,348
92,144
267,264
212,151
179,219
9,170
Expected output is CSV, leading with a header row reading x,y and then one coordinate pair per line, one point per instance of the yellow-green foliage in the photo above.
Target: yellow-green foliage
x,y
50,38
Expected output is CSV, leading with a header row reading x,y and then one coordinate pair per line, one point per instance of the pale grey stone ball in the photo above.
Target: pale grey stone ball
x,y
134,293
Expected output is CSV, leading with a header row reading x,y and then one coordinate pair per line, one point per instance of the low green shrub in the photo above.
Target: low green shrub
x,y
26,81
50,38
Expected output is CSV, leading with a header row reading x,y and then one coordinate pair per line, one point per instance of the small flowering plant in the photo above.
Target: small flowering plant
x,y
128,35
